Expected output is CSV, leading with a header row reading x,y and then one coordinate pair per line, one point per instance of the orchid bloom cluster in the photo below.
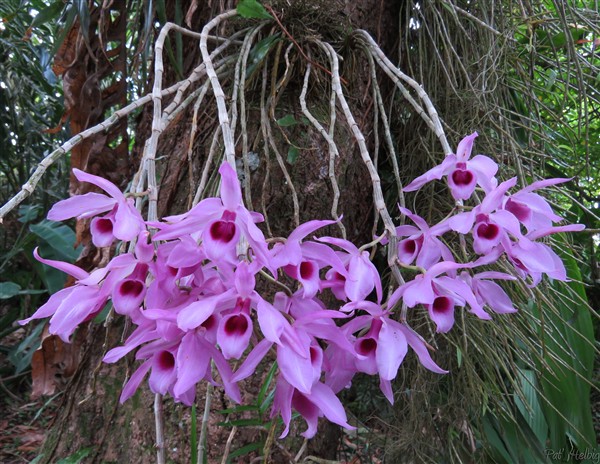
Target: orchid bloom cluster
x,y
193,299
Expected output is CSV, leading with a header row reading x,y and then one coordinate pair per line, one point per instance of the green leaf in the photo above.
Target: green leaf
x,y
8,290
77,457
252,9
48,14
244,450
293,153
28,213
241,423
287,121
59,237
238,409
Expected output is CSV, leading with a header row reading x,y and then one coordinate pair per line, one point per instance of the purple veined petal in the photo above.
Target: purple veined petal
x,y
193,221
341,243
203,211
231,193
252,360
485,169
434,173
195,314
330,332
409,249
534,256
323,255
323,397
67,268
144,248
545,183
465,146
102,231
519,209
128,221
283,255
233,335
81,206
186,253
493,200
163,374
555,230
188,397
361,278
462,222
386,389
405,231
191,363
495,297
559,272
418,220
441,312
430,253
104,184
134,381
419,347
391,349
128,296
282,403
49,308
462,183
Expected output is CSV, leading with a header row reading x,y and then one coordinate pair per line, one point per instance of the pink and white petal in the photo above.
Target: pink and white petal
x,y
545,183
186,253
418,220
252,360
137,338
430,253
418,345
163,374
272,323
81,206
360,280
231,193
405,231
308,411
465,146
486,170
144,248
298,371
462,222
323,397
386,389
282,403
233,335
555,230
104,184
418,291
434,173
134,381
102,231
67,268
391,349
128,222
308,228
507,221
49,308
462,183
128,296
495,275
195,314
495,297
220,239
244,278
192,362
441,312
493,200
464,291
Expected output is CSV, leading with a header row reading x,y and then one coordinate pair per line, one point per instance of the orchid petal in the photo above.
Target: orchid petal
x,y
391,349
192,363
81,206
231,193
104,184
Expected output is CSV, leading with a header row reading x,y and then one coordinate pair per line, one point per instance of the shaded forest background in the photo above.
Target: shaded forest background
x,y
523,74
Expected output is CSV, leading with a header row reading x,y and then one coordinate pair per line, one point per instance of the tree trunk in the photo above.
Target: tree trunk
x,y
91,422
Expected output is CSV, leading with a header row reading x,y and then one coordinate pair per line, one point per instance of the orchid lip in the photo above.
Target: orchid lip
x,y
461,177
366,346
236,325
442,304
222,231
519,210
307,270
165,360
488,231
131,288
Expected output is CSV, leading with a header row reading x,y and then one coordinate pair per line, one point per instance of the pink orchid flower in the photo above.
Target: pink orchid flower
x,y
463,173
124,222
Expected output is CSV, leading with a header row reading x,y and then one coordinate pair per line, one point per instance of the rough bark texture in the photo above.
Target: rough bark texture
x,y
90,417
